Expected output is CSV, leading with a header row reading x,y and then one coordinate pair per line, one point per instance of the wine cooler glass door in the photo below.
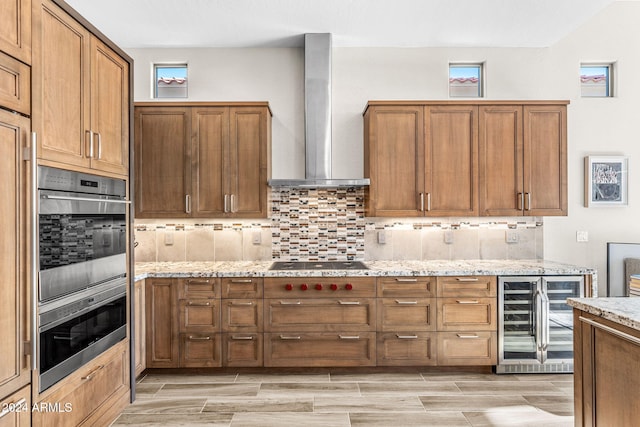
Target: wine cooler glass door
x,y
560,315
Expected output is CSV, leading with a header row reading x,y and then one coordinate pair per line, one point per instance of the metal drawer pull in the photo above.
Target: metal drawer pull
x,y
349,337
92,373
198,282
193,338
407,337
463,336
290,303
241,280
406,302
242,338
467,279
284,337
407,280
240,303
349,302
468,301
13,407
199,304
612,331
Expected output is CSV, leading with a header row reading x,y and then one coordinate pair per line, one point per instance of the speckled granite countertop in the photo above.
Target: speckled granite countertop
x,y
622,310
376,268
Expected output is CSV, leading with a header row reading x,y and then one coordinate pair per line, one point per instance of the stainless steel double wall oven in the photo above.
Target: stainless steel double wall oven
x,y
82,269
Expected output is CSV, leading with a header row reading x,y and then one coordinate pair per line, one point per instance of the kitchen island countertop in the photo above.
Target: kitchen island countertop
x,y
376,269
622,310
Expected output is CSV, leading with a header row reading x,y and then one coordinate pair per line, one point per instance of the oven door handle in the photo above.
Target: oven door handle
x,y
84,199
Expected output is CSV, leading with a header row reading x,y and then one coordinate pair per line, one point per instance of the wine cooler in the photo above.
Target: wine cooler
x,y
535,324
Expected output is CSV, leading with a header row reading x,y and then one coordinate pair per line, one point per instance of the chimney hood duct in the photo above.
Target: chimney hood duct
x,y
317,118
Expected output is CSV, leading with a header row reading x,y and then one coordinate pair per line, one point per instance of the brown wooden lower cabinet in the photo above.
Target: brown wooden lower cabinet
x,y
242,349
320,314
92,396
606,375
200,350
242,315
467,314
467,348
15,410
406,349
317,349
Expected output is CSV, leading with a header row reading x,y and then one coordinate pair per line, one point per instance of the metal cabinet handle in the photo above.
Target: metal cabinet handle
x,y
199,304
406,302
89,376
233,203
421,202
243,338
290,303
467,336
527,205
289,338
240,303
349,337
349,302
428,202
241,280
468,301
467,279
99,145
194,338
35,242
187,203
520,201
198,282
226,203
90,133
407,337
13,407
611,330
406,280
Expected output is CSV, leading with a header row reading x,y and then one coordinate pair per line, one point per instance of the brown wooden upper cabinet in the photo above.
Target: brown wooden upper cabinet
x,y
523,160
203,160
422,159
80,93
15,29
466,158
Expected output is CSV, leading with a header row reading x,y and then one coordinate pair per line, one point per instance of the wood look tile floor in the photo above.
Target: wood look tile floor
x,y
342,400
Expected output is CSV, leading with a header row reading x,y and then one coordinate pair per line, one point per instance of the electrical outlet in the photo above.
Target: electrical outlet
x,y
511,236
168,238
382,237
582,236
256,238
448,237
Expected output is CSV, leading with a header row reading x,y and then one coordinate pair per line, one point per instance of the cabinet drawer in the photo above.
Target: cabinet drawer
x,y
320,349
15,410
199,288
319,287
97,384
406,349
200,350
15,85
418,314
238,287
420,287
242,315
355,314
467,314
467,286
467,348
242,349
199,315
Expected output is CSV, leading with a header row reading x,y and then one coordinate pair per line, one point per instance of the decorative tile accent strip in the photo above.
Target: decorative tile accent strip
x,y
317,224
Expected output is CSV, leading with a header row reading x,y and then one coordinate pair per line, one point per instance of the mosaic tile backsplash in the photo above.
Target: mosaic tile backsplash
x,y
329,224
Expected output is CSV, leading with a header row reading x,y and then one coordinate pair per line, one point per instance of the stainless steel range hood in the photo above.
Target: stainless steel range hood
x,y
317,115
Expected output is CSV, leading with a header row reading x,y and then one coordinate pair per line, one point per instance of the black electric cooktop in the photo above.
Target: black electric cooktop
x,y
318,265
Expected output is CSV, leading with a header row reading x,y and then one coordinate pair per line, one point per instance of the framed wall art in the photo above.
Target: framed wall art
x,y
606,180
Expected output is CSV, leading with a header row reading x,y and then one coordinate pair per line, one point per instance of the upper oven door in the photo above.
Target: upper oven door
x,y
82,241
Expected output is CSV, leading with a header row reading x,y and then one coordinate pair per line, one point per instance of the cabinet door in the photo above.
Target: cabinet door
x,y
109,109
209,156
394,160
139,325
451,152
247,162
61,86
467,348
162,168
242,349
545,160
15,85
14,372
15,29
200,350
406,348
162,323
242,315
15,410
500,163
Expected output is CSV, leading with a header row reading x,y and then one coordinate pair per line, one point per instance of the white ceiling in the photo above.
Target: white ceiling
x,y
390,23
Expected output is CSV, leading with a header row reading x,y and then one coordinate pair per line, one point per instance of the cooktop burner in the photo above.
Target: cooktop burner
x,y
318,265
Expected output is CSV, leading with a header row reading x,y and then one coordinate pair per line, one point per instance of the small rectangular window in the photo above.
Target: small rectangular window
x,y
170,80
465,80
595,80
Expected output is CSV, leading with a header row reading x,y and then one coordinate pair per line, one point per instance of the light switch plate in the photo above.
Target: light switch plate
x,y
168,238
582,236
511,236
256,238
448,237
382,237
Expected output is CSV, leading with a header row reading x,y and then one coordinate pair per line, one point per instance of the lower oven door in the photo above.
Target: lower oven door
x,y
67,342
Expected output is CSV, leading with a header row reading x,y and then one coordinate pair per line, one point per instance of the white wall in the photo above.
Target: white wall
x,y
596,126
